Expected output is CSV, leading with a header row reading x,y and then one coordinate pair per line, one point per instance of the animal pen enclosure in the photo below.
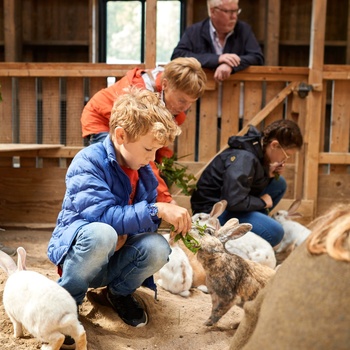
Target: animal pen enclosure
x,y
40,130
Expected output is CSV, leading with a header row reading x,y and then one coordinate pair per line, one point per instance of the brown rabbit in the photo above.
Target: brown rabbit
x,y
228,276
212,223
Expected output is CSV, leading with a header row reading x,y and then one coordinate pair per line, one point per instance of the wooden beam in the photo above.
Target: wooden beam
x,y
151,34
93,31
314,103
13,30
272,30
64,69
348,37
189,12
334,158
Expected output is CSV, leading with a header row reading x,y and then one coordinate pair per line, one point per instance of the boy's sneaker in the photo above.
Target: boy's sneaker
x,y
128,309
68,344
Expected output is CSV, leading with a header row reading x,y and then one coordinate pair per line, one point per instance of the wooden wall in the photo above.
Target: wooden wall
x,y
32,180
298,37
62,30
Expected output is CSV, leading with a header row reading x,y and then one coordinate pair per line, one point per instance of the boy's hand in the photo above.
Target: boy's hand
x,y
175,215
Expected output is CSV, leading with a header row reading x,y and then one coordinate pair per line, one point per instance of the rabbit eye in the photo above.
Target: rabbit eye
x,y
210,231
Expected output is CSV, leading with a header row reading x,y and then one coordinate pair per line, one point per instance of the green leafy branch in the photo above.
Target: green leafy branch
x,y
189,241
176,173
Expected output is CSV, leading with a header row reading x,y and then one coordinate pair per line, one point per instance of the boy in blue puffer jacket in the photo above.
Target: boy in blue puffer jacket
x,y
106,231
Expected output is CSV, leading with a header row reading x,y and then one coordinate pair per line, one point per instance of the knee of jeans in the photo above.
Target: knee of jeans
x,y
277,235
100,235
158,251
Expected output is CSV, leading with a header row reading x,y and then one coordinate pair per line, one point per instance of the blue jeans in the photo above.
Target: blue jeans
x,y
92,261
263,225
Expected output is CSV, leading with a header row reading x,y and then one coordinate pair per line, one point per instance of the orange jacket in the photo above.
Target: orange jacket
x,y
96,114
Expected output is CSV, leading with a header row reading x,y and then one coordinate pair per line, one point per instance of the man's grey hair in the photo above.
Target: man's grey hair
x,y
213,3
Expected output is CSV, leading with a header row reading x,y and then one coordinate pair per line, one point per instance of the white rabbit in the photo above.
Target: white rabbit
x,y
294,232
176,274
252,247
39,304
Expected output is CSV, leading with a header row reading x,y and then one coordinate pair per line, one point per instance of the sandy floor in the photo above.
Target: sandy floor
x,y
175,322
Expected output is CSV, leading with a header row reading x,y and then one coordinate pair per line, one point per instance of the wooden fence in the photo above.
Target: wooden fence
x,y
40,130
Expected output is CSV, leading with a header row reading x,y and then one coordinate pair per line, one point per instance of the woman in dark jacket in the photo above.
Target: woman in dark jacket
x,y
247,176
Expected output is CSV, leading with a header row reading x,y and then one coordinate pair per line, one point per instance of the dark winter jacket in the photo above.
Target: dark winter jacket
x,y
98,190
196,42
237,175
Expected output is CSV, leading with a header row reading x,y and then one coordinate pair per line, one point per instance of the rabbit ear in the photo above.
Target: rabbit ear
x,y
294,206
294,215
232,231
7,263
21,261
218,209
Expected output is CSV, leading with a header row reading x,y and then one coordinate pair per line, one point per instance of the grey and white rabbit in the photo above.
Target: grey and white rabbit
x,y
229,278
40,305
176,274
249,246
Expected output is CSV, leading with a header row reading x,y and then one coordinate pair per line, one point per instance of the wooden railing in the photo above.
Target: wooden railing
x,y
42,104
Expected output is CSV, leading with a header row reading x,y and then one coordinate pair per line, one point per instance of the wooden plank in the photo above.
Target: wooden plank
x,y
347,59
314,106
272,89
20,147
300,118
332,190
230,110
27,110
46,151
75,105
340,134
271,47
51,110
96,84
186,142
253,95
13,30
151,34
70,69
208,126
6,110
334,158
31,195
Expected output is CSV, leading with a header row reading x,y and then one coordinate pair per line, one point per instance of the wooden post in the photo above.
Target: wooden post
x,y
93,31
272,30
314,103
151,34
13,30
348,37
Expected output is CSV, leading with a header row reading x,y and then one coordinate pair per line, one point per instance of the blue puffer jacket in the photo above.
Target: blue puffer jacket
x,y
98,190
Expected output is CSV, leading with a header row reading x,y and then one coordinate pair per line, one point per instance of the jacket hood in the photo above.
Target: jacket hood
x,y
250,142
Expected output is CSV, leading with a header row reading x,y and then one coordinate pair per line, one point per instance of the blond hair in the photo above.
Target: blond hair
x,y
139,111
186,74
331,234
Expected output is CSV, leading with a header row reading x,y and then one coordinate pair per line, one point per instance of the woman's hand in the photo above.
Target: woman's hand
x,y
276,168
